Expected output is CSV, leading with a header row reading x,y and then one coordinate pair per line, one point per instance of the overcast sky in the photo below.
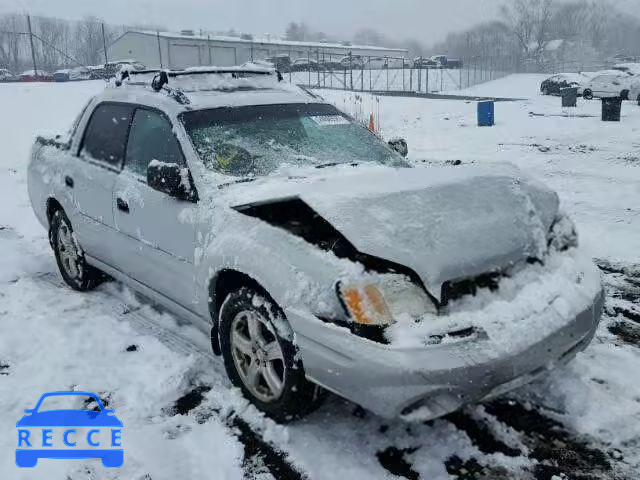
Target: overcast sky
x,y
426,20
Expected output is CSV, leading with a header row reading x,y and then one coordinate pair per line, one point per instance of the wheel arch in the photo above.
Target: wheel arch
x,y
52,206
222,284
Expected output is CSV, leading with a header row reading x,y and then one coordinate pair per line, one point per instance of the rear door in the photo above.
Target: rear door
x,y
155,234
91,178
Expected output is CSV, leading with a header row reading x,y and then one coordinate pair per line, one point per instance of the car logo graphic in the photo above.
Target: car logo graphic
x,y
37,438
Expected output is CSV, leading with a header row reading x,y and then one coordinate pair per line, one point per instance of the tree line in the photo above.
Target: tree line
x,y
585,31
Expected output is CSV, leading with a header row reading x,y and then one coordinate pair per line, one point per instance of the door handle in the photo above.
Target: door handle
x,y
122,205
68,181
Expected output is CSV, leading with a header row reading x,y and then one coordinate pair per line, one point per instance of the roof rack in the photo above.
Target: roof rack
x,y
160,80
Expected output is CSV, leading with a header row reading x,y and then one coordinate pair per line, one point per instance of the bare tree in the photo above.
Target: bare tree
x,y
530,22
50,41
11,41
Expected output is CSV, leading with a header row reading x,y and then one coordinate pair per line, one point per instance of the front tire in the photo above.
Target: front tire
x,y
75,270
587,94
260,357
624,95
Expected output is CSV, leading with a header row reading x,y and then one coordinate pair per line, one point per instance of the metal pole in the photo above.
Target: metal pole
x,y
104,44
403,85
209,47
387,74
351,70
426,74
318,66
159,48
33,52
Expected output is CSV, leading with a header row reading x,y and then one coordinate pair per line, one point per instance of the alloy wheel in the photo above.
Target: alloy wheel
x,y
70,255
257,355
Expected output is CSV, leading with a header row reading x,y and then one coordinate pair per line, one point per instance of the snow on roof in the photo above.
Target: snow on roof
x,y
210,91
286,43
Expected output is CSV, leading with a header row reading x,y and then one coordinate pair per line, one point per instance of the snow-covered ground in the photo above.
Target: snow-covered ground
x,y
183,420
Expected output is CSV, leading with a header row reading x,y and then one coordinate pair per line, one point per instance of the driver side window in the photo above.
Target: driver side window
x,y
151,138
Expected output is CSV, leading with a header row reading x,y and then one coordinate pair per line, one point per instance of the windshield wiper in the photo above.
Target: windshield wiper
x,y
241,180
335,164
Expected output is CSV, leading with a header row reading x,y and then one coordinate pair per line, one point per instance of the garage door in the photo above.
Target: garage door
x,y
183,56
223,56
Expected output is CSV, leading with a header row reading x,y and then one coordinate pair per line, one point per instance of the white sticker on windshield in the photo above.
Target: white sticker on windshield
x,y
326,120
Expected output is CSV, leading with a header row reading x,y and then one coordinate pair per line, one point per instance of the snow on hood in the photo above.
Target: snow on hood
x,y
444,223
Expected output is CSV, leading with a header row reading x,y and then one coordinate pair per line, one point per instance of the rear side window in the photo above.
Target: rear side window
x,y
151,138
105,138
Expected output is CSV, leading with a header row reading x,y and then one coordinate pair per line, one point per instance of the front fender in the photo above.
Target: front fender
x,y
295,273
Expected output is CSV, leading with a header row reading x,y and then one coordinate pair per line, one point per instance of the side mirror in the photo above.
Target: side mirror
x,y
171,179
400,146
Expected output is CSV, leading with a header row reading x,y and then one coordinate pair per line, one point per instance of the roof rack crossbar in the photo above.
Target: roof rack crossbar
x,y
160,81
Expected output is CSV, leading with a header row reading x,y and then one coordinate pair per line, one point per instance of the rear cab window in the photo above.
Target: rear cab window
x,y
105,137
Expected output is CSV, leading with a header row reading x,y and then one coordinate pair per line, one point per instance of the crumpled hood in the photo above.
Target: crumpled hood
x,y
444,223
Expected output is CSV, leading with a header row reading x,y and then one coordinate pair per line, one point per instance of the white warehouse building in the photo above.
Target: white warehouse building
x,y
181,50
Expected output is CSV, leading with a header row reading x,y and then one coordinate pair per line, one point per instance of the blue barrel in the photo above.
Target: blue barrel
x,y
486,117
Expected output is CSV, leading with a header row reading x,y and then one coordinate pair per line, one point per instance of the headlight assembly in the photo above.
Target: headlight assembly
x,y
381,300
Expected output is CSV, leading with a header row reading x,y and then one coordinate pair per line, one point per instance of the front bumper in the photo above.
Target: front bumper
x,y
428,382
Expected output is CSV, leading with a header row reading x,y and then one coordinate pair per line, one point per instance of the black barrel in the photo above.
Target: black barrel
x,y
569,96
611,107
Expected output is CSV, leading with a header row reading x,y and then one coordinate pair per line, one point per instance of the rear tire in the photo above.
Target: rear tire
x,y
261,359
624,95
75,270
587,94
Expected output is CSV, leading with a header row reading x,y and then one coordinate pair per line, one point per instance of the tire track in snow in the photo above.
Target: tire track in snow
x,y
622,307
258,451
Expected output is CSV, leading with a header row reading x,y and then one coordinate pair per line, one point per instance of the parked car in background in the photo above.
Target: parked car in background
x,y
7,76
304,65
329,64
35,76
612,83
96,72
441,60
61,75
376,63
111,68
355,62
79,73
621,57
282,63
555,83
630,68
421,62
454,63
634,91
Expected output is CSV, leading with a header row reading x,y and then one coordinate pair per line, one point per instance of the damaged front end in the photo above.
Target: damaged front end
x,y
389,291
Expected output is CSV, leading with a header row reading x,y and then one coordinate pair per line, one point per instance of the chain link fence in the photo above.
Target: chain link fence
x,y
37,47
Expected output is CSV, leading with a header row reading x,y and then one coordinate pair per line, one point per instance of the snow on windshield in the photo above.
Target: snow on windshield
x,y
258,140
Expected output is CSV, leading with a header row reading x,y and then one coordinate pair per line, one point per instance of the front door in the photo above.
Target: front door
x,y
92,176
155,235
